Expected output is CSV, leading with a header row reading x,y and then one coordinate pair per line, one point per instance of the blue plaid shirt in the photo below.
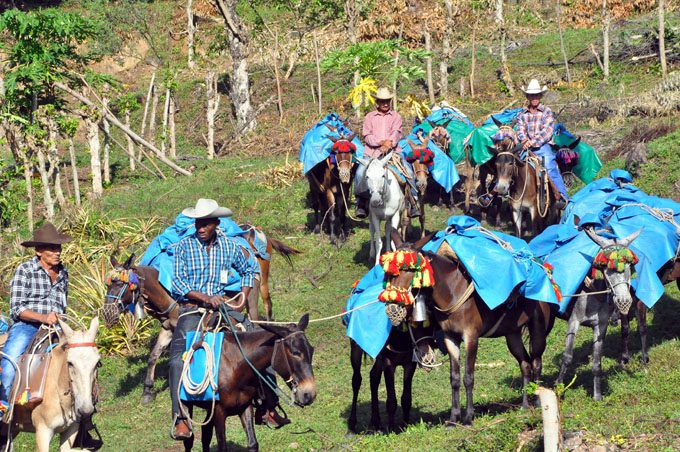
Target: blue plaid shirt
x,y
203,270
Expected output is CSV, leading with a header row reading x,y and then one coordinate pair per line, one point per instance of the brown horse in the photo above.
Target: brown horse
x,y
329,184
284,348
421,173
152,297
464,316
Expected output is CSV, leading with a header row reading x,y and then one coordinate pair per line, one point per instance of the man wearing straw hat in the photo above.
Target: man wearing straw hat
x,y
381,132
202,264
535,127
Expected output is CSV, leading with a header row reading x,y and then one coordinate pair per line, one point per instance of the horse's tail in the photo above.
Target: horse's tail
x,y
284,250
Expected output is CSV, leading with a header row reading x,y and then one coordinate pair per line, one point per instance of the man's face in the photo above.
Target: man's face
x,y
534,99
49,254
206,228
383,105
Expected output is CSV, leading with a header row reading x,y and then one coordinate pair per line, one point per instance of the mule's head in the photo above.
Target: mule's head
x,y
505,154
566,156
343,149
421,157
83,360
614,263
122,289
440,135
376,179
292,359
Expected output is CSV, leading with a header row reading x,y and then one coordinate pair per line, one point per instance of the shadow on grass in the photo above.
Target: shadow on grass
x,y
135,379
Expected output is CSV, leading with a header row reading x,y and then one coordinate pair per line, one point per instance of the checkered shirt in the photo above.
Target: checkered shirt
x,y
198,269
536,127
32,288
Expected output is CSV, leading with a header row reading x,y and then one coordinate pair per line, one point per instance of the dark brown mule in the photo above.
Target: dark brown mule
x,y
464,316
398,351
420,172
284,348
329,184
151,297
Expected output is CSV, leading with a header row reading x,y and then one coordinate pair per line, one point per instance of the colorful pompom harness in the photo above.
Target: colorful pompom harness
x,y
343,146
409,261
505,132
422,155
614,258
128,277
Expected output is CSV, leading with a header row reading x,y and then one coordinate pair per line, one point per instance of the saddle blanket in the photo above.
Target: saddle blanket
x,y
161,254
443,169
315,146
197,366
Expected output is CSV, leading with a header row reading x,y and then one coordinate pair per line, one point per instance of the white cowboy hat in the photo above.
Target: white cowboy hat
x,y
383,94
207,208
534,87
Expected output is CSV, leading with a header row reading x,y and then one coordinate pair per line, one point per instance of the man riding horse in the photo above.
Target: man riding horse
x,y
381,132
535,127
201,273
38,296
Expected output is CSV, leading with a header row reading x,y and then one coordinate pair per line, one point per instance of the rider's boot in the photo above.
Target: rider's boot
x,y
413,206
361,211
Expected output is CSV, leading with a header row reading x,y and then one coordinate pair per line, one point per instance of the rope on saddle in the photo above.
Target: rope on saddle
x,y
541,176
455,305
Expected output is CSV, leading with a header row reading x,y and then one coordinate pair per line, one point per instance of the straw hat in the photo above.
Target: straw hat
x,y
47,234
534,87
383,94
207,208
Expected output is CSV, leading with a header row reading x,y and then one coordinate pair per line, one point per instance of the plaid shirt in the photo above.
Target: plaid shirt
x,y
32,288
536,127
203,270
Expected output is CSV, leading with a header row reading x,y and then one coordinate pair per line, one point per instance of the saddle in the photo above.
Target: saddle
x,y
29,384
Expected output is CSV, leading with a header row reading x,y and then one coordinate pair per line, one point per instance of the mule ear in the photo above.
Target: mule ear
x,y
67,330
422,242
396,238
601,241
575,143
628,240
491,149
577,220
517,148
304,321
113,261
496,121
446,124
351,137
432,123
384,160
129,261
360,160
94,327
332,138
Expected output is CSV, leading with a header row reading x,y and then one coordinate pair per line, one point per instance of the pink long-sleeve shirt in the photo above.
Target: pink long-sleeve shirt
x,y
379,127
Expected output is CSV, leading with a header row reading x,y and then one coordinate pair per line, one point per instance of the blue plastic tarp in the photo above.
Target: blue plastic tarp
x,y
443,169
316,146
161,256
197,365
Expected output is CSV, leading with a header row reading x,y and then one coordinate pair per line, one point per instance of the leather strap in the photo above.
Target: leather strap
x,y
81,344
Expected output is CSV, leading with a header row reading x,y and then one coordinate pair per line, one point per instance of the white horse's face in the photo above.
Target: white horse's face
x,y
83,360
376,179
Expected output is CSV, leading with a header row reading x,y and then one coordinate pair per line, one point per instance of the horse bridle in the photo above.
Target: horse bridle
x,y
118,299
292,381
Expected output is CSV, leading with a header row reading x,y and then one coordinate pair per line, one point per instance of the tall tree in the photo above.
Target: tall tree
x,y
662,40
606,19
191,31
500,21
558,13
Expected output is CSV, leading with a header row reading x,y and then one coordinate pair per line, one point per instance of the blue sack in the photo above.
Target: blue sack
x,y
443,169
315,146
197,364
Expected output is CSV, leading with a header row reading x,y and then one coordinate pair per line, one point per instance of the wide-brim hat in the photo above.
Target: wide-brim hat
x,y
534,87
207,208
47,234
383,94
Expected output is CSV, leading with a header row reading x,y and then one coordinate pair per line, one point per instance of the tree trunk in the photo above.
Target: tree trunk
x,y
605,38
45,182
95,150
171,119
152,117
395,98
166,112
352,12
662,40
130,143
446,49
191,30
558,13
318,75
277,77
240,79
146,105
74,170
428,66
211,110
54,171
107,145
500,21
552,420
28,180
473,61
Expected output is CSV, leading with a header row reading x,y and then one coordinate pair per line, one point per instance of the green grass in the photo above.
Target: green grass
x,y
640,406
662,172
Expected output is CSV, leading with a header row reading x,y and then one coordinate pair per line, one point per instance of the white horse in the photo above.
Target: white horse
x,y
387,202
68,395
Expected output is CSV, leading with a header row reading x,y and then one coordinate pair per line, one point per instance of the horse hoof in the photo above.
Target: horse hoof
x,y
450,424
597,397
644,359
351,433
624,361
317,229
148,397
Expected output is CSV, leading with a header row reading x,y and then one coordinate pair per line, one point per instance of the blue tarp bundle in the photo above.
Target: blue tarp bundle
x,y
161,256
316,146
197,366
443,169
504,117
481,255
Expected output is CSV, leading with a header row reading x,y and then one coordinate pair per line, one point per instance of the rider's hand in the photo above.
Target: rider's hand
x,y
526,145
51,318
214,301
387,144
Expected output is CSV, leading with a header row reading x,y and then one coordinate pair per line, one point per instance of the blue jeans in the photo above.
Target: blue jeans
x,y
548,156
20,335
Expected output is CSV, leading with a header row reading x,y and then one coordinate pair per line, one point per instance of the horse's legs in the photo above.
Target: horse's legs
x,y
535,227
162,341
375,375
422,215
599,333
264,286
330,199
219,420
539,327
642,329
253,299
453,347
391,402
406,399
43,436
68,437
471,344
247,419
572,327
625,332
356,353
517,349
517,219
207,432
394,222
189,442
374,233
